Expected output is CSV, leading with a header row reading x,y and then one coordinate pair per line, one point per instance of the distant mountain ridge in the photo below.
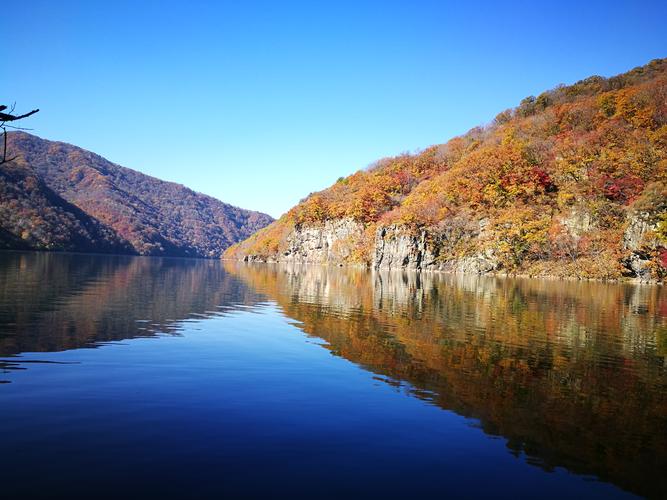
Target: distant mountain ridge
x,y
55,196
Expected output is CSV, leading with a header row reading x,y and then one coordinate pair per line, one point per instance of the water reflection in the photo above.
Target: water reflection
x,y
52,302
570,374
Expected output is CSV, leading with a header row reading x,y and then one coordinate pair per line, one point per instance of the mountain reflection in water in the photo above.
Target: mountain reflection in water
x,y
568,374
53,302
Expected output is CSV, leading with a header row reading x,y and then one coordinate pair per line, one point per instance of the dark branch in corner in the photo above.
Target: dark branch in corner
x,y
9,117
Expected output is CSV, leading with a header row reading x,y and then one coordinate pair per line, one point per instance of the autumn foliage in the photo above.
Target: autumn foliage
x,y
591,148
54,196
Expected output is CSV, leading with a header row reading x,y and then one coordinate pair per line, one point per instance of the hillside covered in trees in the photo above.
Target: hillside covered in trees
x,y
55,196
570,183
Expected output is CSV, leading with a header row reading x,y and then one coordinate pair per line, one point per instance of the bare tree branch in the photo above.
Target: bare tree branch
x,y
14,127
10,117
4,117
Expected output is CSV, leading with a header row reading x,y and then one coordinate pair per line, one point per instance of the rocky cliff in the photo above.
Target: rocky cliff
x,y
332,242
398,248
395,247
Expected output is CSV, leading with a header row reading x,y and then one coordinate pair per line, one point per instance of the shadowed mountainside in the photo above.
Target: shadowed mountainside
x,y
33,216
56,196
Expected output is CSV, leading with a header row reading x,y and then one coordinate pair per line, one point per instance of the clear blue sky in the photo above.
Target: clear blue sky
x,y
260,103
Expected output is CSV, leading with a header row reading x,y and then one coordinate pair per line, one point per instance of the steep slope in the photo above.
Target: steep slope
x,y
32,216
572,183
146,215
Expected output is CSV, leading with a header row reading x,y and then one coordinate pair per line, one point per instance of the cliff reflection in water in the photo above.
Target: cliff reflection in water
x,y
571,374
52,302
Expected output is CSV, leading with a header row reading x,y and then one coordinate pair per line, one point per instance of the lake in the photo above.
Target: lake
x,y
154,378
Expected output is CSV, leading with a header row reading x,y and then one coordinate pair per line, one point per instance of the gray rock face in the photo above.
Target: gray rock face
x,y
457,245
634,240
638,226
481,263
331,242
397,248
328,243
578,222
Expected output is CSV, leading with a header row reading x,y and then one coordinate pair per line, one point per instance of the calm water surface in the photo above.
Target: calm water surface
x,y
126,377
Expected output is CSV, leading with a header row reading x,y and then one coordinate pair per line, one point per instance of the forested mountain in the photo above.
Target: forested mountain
x,y
57,196
571,183
33,216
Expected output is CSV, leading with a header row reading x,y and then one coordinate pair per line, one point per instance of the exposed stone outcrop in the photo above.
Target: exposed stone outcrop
x,y
480,263
636,240
638,226
398,248
578,222
395,248
455,247
329,243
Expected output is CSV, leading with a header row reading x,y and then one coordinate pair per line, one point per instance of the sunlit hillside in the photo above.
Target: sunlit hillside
x,y
572,182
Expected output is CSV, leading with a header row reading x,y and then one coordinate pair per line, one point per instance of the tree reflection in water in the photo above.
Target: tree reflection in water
x,y
572,374
569,374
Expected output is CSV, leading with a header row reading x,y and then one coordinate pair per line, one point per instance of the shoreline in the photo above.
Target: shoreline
x,y
492,274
